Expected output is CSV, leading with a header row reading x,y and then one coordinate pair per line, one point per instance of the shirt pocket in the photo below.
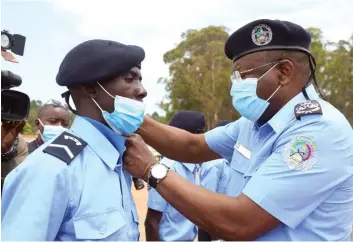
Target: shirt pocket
x,y
239,175
98,225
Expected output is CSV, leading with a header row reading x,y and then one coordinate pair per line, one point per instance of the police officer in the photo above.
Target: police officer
x,y
163,222
53,118
74,187
291,152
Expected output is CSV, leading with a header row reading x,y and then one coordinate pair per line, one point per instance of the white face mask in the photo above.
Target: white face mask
x,y
50,131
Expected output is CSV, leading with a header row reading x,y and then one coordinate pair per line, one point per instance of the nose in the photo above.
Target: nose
x,y
141,93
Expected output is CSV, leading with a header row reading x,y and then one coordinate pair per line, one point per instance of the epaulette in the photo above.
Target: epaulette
x,y
306,108
65,147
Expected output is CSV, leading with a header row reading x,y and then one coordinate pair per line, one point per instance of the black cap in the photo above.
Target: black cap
x,y
266,34
191,121
98,60
223,123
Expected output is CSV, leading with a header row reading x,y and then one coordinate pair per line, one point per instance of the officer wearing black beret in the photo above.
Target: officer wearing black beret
x,y
291,152
74,186
191,121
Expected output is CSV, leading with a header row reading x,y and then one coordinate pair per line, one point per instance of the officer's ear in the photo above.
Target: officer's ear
x,y
286,71
90,89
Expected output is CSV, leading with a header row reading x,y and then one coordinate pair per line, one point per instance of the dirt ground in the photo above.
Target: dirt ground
x,y
140,197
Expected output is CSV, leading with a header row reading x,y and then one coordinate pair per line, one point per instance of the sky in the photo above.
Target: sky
x,y
54,27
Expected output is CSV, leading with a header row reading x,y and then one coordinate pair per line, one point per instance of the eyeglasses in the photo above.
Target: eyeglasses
x,y
57,103
236,76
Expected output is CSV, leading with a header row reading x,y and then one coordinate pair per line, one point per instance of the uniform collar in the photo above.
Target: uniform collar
x,y
98,139
286,114
189,166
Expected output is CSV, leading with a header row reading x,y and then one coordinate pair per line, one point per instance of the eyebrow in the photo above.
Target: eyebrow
x,y
134,73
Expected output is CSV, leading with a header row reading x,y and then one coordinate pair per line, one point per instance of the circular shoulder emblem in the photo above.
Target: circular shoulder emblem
x,y
261,34
300,153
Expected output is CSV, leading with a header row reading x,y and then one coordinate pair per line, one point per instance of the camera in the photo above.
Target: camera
x,y
15,105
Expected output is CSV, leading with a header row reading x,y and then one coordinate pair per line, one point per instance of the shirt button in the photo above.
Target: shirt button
x,y
102,230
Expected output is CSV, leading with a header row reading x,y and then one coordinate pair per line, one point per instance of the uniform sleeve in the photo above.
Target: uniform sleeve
x,y
210,175
224,178
35,199
222,139
303,170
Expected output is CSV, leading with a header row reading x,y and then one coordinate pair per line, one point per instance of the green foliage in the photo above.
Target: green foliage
x,y
199,74
27,130
335,71
33,113
158,118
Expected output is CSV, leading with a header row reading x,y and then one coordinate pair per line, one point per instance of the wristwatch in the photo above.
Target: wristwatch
x,y
157,173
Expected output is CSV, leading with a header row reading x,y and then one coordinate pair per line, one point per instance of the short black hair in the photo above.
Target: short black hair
x,y
51,105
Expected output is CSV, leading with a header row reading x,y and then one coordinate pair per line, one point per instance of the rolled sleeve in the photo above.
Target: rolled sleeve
x,y
222,139
291,194
35,200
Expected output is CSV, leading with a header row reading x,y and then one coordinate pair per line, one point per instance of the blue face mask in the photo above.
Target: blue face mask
x,y
245,99
127,116
50,131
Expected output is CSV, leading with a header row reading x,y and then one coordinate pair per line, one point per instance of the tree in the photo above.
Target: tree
x,y
160,119
335,71
199,76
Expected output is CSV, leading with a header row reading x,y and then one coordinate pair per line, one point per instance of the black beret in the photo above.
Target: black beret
x,y
191,121
223,123
266,34
98,60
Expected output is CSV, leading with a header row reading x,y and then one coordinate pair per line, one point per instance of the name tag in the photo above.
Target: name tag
x,y
242,150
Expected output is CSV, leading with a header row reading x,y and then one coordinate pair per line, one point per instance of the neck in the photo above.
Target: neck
x,y
276,105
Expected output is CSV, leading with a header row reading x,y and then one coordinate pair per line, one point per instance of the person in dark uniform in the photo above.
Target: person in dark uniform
x,y
74,187
53,118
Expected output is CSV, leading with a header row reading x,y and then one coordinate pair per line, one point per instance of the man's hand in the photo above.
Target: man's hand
x,y
137,158
9,133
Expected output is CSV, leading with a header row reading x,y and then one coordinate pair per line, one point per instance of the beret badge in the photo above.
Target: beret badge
x,y
261,34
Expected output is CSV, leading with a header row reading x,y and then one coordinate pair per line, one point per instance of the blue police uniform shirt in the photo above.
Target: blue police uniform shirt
x,y
300,171
89,199
173,225
215,175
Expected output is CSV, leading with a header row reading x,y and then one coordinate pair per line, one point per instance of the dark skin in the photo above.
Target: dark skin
x,y
222,216
52,115
153,218
127,85
9,133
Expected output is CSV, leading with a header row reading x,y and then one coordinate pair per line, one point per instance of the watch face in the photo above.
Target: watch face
x,y
159,171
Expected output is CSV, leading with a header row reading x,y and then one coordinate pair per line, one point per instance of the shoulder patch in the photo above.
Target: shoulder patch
x,y
65,147
306,108
300,153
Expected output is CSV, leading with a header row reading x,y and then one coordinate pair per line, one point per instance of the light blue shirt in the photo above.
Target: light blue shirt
x,y
215,175
89,199
300,171
173,225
